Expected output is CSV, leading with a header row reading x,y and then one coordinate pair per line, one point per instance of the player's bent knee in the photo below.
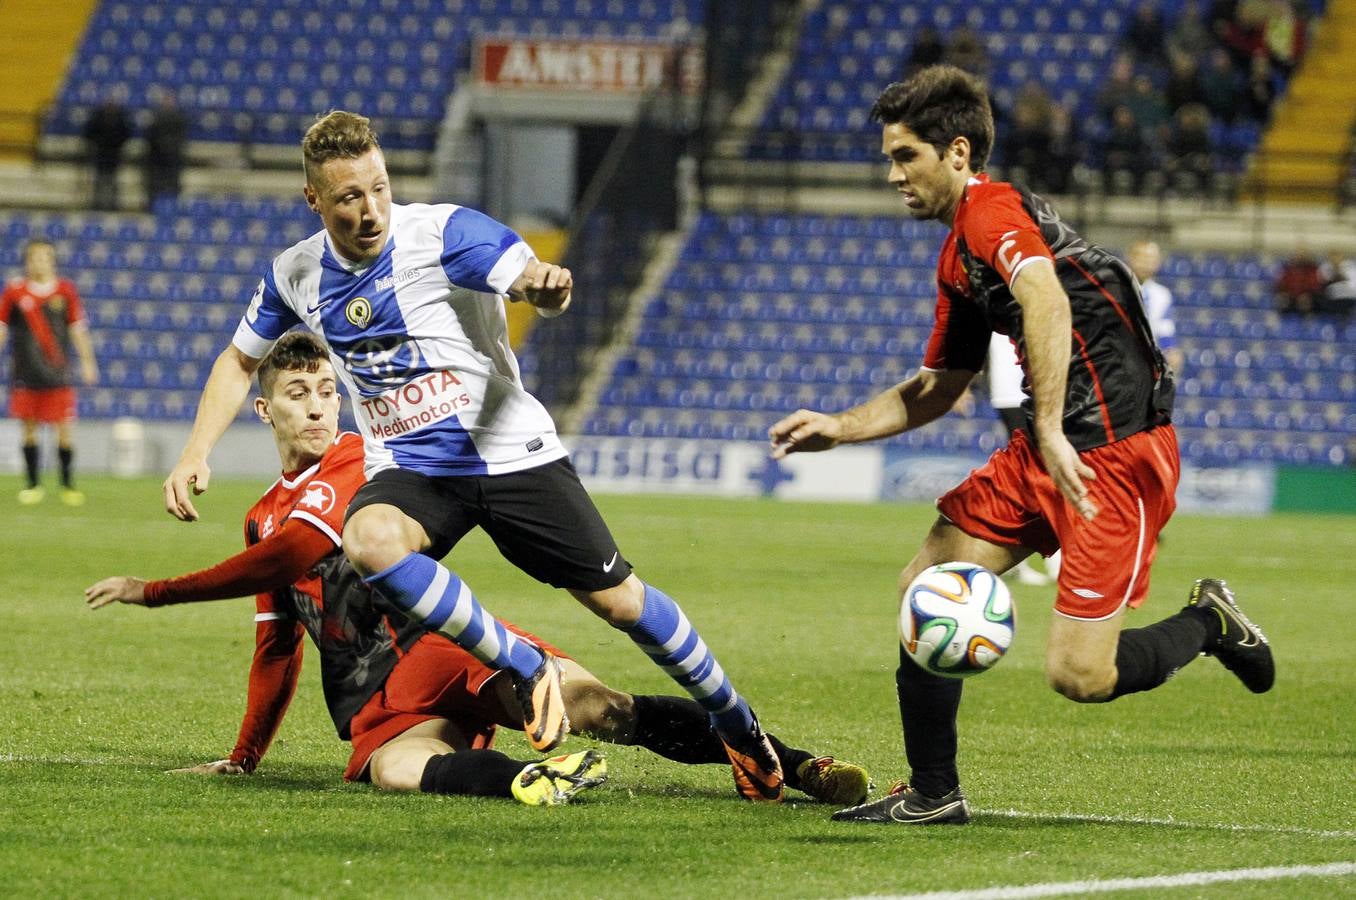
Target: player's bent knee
x,y
399,766
1080,683
375,539
619,606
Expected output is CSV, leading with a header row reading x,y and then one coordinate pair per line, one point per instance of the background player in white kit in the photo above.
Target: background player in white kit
x,y
409,300
1145,259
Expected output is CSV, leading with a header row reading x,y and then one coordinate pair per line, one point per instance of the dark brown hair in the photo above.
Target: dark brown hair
x,y
296,351
336,135
939,104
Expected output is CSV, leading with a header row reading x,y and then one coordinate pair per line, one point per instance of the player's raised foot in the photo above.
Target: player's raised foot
x,y
554,781
544,718
1240,646
908,807
757,770
72,497
833,781
31,496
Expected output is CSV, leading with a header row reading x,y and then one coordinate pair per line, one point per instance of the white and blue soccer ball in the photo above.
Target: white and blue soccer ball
x,y
957,619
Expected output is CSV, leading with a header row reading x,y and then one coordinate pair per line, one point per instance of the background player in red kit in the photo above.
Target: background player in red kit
x,y
420,711
1093,471
45,321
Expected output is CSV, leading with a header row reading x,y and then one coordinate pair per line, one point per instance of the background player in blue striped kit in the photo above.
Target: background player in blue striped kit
x,y
409,300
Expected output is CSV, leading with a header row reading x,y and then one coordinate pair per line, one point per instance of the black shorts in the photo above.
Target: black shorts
x,y
541,519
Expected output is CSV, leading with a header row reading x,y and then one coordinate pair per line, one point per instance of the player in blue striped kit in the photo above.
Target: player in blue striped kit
x,y
409,300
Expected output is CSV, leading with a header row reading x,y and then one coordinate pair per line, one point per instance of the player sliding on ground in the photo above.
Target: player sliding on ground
x,y
1093,471
409,299
420,711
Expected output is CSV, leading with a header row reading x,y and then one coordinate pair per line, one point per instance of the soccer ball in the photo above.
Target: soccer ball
x,y
956,619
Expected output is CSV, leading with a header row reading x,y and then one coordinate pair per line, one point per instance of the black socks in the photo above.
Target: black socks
x,y
31,463
1147,657
477,773
927,708
678,729
64,457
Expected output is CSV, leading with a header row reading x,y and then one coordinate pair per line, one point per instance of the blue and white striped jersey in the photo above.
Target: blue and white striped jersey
x,y
420,339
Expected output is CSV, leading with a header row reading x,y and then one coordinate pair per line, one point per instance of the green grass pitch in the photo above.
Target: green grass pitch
x,y
797,601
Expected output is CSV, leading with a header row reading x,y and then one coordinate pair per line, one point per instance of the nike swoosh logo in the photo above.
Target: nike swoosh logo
x,y
607,566
900,814
311,309
1251,637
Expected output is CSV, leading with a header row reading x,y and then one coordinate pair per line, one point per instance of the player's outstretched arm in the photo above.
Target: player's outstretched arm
x,y
544,286
271,564
226,388
118,589
908,405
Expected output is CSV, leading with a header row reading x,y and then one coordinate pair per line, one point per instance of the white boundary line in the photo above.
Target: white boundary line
x,y
1078,818
1100,886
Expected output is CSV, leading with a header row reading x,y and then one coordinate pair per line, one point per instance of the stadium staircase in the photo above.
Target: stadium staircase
x,y
1305,152
36,44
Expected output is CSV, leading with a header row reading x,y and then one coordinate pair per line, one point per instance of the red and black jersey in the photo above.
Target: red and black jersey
x,y
40,323
359,634
1118,383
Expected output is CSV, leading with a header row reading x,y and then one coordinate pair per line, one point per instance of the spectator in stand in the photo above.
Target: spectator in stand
x,y
1299,286
1027,149
1284,34
1190,36
1183,86
1150,109
966,51
166,137
928,50
106,133
1125,153
1244,33
1066,152
1259,89
1119,86
1190,151
1221,86
1145,36
1339,285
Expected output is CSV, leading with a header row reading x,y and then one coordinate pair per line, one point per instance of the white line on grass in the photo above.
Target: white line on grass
x,y
1072,818
1153,882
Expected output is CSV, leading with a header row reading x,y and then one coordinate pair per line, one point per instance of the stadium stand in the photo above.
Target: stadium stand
x,y
163,294
766,313
849,48
249,69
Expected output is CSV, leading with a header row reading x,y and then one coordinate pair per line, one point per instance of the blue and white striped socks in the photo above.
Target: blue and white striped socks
x,y
668,637
429,592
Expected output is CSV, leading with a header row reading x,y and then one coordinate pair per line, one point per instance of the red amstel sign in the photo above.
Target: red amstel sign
x,y
585,65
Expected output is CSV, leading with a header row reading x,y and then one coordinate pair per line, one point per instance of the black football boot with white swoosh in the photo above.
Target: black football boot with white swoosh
x,y
905,806
1240,646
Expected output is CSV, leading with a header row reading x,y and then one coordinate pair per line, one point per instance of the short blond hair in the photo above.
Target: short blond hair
x,y
336,134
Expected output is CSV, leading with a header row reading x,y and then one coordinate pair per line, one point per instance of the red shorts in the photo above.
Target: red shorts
x,y
435,680
1013,502
51,405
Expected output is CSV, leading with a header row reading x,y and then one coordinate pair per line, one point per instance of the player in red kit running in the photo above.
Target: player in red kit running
x,y
1092,472
45,322
420,711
